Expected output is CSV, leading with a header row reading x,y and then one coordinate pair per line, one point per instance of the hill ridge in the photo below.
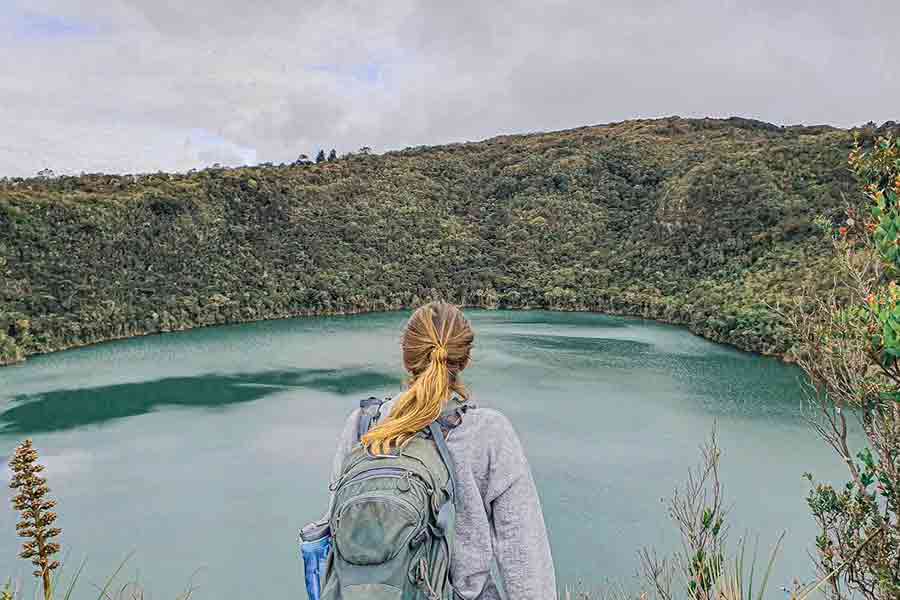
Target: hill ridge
x,y
701,222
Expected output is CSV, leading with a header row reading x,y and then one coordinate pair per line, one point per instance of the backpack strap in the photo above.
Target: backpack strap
x,y
446,516
450,418
369,411
438,436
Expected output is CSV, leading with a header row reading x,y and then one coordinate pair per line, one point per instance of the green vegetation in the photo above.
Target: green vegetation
x,y
848,343
700,222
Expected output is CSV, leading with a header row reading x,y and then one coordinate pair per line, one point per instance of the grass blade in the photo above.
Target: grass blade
x,y
114,575
74,580
765,581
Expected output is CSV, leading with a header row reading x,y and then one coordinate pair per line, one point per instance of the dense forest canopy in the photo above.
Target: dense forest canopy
x,y
701,222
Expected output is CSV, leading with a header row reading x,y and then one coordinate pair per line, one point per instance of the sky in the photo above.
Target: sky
x,y
128,86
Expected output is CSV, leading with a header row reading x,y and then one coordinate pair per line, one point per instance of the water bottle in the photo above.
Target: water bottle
x,y
315,543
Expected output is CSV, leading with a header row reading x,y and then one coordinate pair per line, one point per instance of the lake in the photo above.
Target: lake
x,y
203,451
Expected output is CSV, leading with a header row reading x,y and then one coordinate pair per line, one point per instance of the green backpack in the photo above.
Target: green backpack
x,y
393,516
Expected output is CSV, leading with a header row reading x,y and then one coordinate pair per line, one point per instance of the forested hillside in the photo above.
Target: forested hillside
x,y
701,222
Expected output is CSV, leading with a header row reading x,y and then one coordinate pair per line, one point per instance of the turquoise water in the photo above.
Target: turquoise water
x,y
203,451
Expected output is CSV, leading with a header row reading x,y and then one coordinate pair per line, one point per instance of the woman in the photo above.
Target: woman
x,y
498,513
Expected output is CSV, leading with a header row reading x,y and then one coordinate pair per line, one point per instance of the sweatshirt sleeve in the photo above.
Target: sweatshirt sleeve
x,y
345,444
521,547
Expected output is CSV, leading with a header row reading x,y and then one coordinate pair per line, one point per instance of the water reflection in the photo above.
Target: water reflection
x,y
66,409
719,381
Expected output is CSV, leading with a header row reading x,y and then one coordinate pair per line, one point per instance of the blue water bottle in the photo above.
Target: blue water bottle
x,y
315,542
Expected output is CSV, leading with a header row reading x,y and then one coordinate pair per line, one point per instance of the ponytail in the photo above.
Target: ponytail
x,y
436,347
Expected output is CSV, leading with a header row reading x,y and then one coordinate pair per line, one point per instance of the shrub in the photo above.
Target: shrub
x,y
849,346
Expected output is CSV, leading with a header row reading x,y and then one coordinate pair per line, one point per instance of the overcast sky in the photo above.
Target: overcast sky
x,y
143,85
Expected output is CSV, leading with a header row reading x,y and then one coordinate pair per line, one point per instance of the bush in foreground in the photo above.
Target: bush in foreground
x,y
850,349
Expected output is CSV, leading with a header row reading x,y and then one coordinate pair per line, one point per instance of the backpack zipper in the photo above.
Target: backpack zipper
x,y
405,504
405,475
390,472
367,474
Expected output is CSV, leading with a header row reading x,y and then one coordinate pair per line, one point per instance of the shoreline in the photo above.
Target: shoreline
x,y
645,313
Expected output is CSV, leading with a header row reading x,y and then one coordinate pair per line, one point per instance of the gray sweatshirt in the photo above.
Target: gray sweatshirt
x,y
498,511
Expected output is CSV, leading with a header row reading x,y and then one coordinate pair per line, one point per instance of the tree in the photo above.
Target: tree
x,y
849,346
332,155
320,156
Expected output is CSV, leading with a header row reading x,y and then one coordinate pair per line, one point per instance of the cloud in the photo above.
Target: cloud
x,y
118,85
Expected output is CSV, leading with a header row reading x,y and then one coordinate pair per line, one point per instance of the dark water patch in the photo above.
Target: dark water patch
x,y
577,344
59,410
335,381
541,317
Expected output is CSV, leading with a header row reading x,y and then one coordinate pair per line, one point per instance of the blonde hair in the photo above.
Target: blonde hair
x,y
436,345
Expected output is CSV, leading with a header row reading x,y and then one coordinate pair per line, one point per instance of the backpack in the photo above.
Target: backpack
x,y
392,518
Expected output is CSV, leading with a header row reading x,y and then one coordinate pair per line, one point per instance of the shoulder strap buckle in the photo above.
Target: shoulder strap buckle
x,y
369,412
452,415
